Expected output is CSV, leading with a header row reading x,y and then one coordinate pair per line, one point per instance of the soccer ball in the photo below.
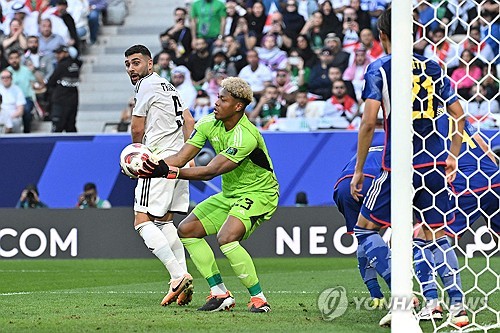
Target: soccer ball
x,y
131,158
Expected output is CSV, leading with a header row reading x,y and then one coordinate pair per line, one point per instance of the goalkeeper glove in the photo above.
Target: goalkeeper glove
x,y
151,169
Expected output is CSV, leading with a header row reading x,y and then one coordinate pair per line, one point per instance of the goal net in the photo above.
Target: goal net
x,y
462,36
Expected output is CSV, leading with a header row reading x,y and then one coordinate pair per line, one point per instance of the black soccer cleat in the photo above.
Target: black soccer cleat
x,y
258,305
218,302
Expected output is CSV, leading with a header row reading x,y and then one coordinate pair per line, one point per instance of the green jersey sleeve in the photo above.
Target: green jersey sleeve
x,y
240,145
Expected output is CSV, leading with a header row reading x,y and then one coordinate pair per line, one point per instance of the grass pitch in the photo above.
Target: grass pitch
x,y
124,296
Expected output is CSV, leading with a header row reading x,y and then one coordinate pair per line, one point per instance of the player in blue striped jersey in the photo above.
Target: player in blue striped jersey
x,y
350,208
431,158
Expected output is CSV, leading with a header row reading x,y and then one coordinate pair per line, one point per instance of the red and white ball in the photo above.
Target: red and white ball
x,y
132,157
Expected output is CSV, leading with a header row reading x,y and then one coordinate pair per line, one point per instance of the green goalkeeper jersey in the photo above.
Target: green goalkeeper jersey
x,y
243,145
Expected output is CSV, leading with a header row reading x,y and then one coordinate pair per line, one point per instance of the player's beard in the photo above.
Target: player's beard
x,y
137,77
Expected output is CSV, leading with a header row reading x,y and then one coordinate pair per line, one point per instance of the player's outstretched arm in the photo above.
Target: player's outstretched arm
x,y
217,166
168,167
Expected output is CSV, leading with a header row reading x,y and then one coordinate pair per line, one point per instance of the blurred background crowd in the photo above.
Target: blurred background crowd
x,y
304,59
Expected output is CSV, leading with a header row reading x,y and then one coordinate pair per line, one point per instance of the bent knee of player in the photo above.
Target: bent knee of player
x,y
226,238
191,229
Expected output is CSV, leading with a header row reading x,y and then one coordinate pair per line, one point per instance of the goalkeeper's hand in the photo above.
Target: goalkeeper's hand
x,y
151,169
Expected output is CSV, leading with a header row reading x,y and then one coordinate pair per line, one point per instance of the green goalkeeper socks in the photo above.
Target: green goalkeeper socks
x,y
242,265
203,257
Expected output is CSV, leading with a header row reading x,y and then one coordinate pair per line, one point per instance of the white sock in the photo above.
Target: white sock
x,y
170,231
219,289
261,296
156,241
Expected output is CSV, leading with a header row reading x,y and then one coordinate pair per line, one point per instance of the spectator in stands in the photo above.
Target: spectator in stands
x,y
90,198
126,116
63,87
256,74
363,17
270,54
47,40
283,36
243,36
30,198
459,14
29,19
303,108
25,79
15,40
164,42
305,51
356,71
256,20
490,28
79,10
220,63
232,17
208,19
340,57
294,22
268,108
202,105
234,53
42,67
320,85
12,103
466,75
441,50
286,88
480,110
181,79
164,65
316,31
372,46
96,7
350,29
342,108
478,46
334,74
299,73
490,82
330,19
180,32
212,84
199,61
62,12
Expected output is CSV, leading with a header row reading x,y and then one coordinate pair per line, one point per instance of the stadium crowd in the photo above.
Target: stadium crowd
x,y
304,59
41,43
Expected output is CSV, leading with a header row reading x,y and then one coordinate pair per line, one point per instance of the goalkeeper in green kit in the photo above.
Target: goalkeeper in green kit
x,y
249,195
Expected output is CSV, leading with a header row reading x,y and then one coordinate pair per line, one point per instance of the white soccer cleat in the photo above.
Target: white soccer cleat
x,y
458,316
386,320
431,311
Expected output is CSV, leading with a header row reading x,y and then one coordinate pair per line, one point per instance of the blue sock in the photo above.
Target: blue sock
x,y
447,269
424,266
369,274
376,250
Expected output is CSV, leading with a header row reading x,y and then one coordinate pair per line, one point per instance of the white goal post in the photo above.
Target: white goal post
x,y
401,162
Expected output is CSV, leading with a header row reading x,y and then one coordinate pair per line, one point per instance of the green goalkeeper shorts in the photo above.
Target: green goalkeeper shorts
x,y
251,209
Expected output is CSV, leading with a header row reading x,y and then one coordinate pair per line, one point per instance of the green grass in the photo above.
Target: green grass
x,y
124,296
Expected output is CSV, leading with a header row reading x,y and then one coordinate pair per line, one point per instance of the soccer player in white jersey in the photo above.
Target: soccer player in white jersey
x,y
161,121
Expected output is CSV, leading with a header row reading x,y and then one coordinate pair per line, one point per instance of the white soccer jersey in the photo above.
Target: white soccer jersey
x,y
159,101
